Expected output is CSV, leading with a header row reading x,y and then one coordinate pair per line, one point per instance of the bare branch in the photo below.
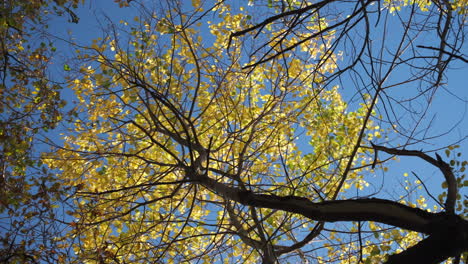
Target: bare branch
x,y
439,163
445,52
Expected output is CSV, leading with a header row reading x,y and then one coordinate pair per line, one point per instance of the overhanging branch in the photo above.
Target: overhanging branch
x,y
439,163
377,210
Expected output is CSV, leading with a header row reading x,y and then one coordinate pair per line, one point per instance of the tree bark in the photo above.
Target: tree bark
x,y
450,239
447,233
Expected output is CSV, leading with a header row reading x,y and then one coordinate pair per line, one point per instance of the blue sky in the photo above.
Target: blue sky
x,y
447,111
446,116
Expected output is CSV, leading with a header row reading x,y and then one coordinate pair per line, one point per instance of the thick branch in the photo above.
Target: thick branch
x,y
439,163
377,210
452,240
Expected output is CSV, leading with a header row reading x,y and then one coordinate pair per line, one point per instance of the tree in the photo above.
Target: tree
x,y
30,104
215,132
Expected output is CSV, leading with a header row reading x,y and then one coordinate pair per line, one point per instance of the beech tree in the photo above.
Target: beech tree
x,y
251,132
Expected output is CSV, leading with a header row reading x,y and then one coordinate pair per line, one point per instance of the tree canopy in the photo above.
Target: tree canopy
x,y
30,104
234,132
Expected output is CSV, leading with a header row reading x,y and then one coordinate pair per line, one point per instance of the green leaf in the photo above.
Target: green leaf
x,y
66,67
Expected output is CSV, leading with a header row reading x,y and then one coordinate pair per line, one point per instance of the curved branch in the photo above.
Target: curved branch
x,y
445,168
377,210
447,227
313,234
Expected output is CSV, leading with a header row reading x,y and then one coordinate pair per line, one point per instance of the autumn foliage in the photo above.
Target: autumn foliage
x,y
221,132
